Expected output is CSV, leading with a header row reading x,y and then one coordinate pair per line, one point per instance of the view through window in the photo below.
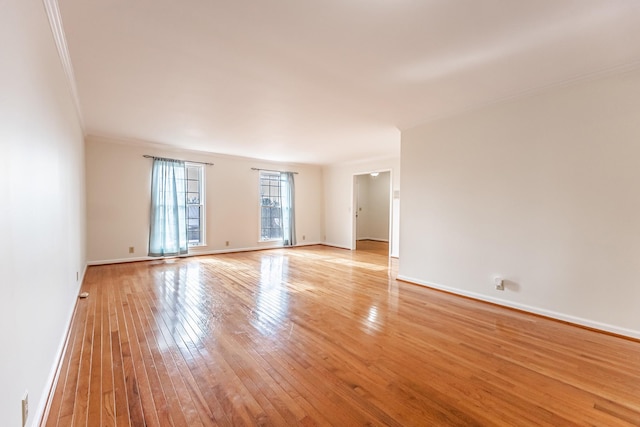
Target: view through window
x,y
270,206
195,203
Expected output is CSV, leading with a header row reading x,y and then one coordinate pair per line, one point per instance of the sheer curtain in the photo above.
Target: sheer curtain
x,y
288,209
168,231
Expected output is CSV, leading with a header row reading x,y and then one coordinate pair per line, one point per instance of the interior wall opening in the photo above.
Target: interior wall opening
x,y
372,209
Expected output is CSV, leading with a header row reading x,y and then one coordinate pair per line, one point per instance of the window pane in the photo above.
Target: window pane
x,y
194,215
193,186
195,208
270,202
193,172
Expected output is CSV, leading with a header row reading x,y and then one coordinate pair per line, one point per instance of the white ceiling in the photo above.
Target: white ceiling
x,y
324,81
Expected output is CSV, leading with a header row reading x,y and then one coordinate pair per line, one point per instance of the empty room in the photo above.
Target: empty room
x,y
336,213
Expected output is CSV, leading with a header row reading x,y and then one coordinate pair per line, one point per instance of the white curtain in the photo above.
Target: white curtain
x,y
168,231
288,210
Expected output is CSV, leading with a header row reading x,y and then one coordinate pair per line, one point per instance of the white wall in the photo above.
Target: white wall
x,y
543,191
339,200
118,200
373,206
41,208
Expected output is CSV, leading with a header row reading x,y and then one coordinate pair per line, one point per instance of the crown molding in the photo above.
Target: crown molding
x,y
55,22
136,142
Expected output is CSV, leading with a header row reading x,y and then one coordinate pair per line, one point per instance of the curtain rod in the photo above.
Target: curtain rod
x,y
272,170
188,161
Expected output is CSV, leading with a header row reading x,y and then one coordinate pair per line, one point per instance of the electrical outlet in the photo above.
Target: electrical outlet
x,y
226,243
77,276
304,237
25,408
499,283
132,249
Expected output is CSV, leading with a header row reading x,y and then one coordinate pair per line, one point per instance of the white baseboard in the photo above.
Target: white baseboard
x,y
335,245
530,309
375,239
305,243
250,249
198,253
119,260
52,378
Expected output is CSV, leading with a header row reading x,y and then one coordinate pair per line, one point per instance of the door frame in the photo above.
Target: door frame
x,y
354,206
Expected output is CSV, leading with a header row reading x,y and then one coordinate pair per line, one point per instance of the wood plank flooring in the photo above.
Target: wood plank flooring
x,y
323,336
381,248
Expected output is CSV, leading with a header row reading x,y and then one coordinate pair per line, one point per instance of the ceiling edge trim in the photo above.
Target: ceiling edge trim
x,y
55,22
104,138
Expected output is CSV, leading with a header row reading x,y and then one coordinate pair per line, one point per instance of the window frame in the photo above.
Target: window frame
x,y
202,205
262,206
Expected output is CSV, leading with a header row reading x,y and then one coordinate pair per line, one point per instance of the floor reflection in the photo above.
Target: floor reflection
x,y
272,302
183,310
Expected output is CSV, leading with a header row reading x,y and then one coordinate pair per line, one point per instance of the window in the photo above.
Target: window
x,y
167,231
277,207
195,204
270,206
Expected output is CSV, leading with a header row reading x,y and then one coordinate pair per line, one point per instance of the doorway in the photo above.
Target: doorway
x,y
372,208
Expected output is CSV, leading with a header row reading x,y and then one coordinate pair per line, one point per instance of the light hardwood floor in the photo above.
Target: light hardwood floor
x,y
324,336
381,248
